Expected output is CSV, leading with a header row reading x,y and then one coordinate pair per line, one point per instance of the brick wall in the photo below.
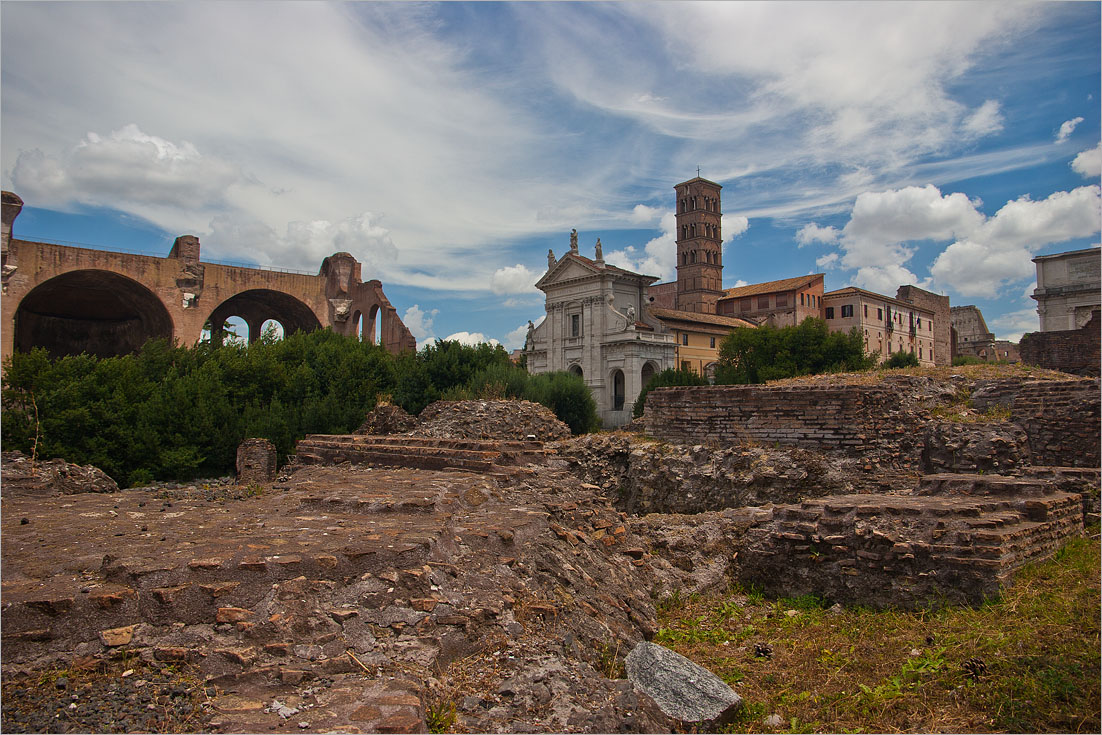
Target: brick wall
x,y
1061,419
958,544
865,420
1075,351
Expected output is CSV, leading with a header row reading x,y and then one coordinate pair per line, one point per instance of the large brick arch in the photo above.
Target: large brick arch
x,y
258,305
172,296
95,311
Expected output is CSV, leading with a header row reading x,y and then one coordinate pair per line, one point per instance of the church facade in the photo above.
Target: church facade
x,y
602,323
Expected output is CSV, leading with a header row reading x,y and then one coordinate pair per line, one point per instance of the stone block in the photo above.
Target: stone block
x,y
682,689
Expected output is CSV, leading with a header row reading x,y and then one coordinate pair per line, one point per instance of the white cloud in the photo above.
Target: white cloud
x,y
828,261
885,279
1012,325
732,226
739,284
644,215
985,120
1001,249
127,170
470,338
305,244
1067,128
812,232
1089,162
419,323
657,258
513,279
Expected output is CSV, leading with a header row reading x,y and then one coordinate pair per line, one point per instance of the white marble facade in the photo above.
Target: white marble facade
x,y
1067,289
596,326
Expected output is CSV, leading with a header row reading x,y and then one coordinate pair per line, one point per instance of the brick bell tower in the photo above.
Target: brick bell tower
x,y
699,251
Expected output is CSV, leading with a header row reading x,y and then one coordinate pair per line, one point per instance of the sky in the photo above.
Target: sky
x,y
448,146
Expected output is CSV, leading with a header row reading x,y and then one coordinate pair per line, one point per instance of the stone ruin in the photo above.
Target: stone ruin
x,y
458,562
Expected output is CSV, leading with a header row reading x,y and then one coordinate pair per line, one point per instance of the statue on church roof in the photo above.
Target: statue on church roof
x,y
600,252
550,259
574,241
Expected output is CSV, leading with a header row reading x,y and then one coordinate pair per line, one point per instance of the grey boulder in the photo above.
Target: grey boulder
x,y
682,689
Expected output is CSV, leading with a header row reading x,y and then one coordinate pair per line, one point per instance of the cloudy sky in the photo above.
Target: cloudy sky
x,y
448,146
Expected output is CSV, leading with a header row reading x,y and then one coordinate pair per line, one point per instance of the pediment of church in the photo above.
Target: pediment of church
x,y
566,269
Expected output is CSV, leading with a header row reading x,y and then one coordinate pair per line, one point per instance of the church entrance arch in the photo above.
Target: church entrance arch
x,y
648,372
98,312
576,369
260,305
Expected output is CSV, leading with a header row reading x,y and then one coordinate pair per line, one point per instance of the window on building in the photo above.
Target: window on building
x,y
712,342
782,299
746,304
575,325
866,308
879,315
919,353
802,300
685,338
847,310
918,322
685,365
830,312
763,302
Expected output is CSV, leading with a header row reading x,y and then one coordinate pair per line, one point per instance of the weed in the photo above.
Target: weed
x,y
440,715
609,662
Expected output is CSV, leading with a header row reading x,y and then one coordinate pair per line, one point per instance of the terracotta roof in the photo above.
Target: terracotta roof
x,y
787,284
693,316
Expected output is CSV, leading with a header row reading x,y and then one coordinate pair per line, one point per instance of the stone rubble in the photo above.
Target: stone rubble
x,y
22,476
490,419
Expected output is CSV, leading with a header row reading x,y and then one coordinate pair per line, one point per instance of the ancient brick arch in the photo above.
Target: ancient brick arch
x,y
257,306
73,299
95,311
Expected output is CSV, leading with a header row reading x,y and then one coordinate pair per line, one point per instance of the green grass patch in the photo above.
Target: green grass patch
x,y
1026,661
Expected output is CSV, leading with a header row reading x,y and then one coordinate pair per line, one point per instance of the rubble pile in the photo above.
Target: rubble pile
x,y
386,418
22,476
497,419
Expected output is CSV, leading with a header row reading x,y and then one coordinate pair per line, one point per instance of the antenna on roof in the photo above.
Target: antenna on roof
x,y
698,172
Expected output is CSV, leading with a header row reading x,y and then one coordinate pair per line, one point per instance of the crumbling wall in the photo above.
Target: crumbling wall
x,y
1061,419
958,543
1075,351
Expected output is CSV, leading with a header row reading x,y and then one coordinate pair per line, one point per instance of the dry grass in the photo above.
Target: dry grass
x,y
1028,662
991,371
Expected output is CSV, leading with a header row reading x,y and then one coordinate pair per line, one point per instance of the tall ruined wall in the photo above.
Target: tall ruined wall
x,y
1074,351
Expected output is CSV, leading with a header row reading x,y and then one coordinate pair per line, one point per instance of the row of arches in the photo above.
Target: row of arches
x,y
107,314
704,229
689,204
705,256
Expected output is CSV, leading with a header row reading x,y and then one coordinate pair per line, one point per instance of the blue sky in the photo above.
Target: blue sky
x,y
448,146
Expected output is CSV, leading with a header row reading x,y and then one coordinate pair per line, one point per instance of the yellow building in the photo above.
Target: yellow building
x,y
698,336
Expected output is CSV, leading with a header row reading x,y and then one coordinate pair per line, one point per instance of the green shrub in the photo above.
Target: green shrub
x,y
901,360
756,355
666,378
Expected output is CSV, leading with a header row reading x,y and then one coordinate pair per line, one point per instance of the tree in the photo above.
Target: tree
x,y
668,377
756,355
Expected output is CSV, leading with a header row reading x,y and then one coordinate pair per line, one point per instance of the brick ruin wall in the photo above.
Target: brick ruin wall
x,y
855,419
1075,351
1060,419
960,541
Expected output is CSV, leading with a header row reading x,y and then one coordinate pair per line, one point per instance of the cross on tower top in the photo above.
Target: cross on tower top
x,y
698,170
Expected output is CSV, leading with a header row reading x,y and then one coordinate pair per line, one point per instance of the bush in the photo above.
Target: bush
x,y
176,413
967,360
901,360
756,355
668,377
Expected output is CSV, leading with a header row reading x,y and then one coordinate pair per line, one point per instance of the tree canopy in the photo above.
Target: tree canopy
x,y
759,354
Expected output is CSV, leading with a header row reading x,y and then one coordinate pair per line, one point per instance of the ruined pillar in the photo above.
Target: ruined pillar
x,y
256,462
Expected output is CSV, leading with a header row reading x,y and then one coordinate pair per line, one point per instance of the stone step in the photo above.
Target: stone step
x,y
420,452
